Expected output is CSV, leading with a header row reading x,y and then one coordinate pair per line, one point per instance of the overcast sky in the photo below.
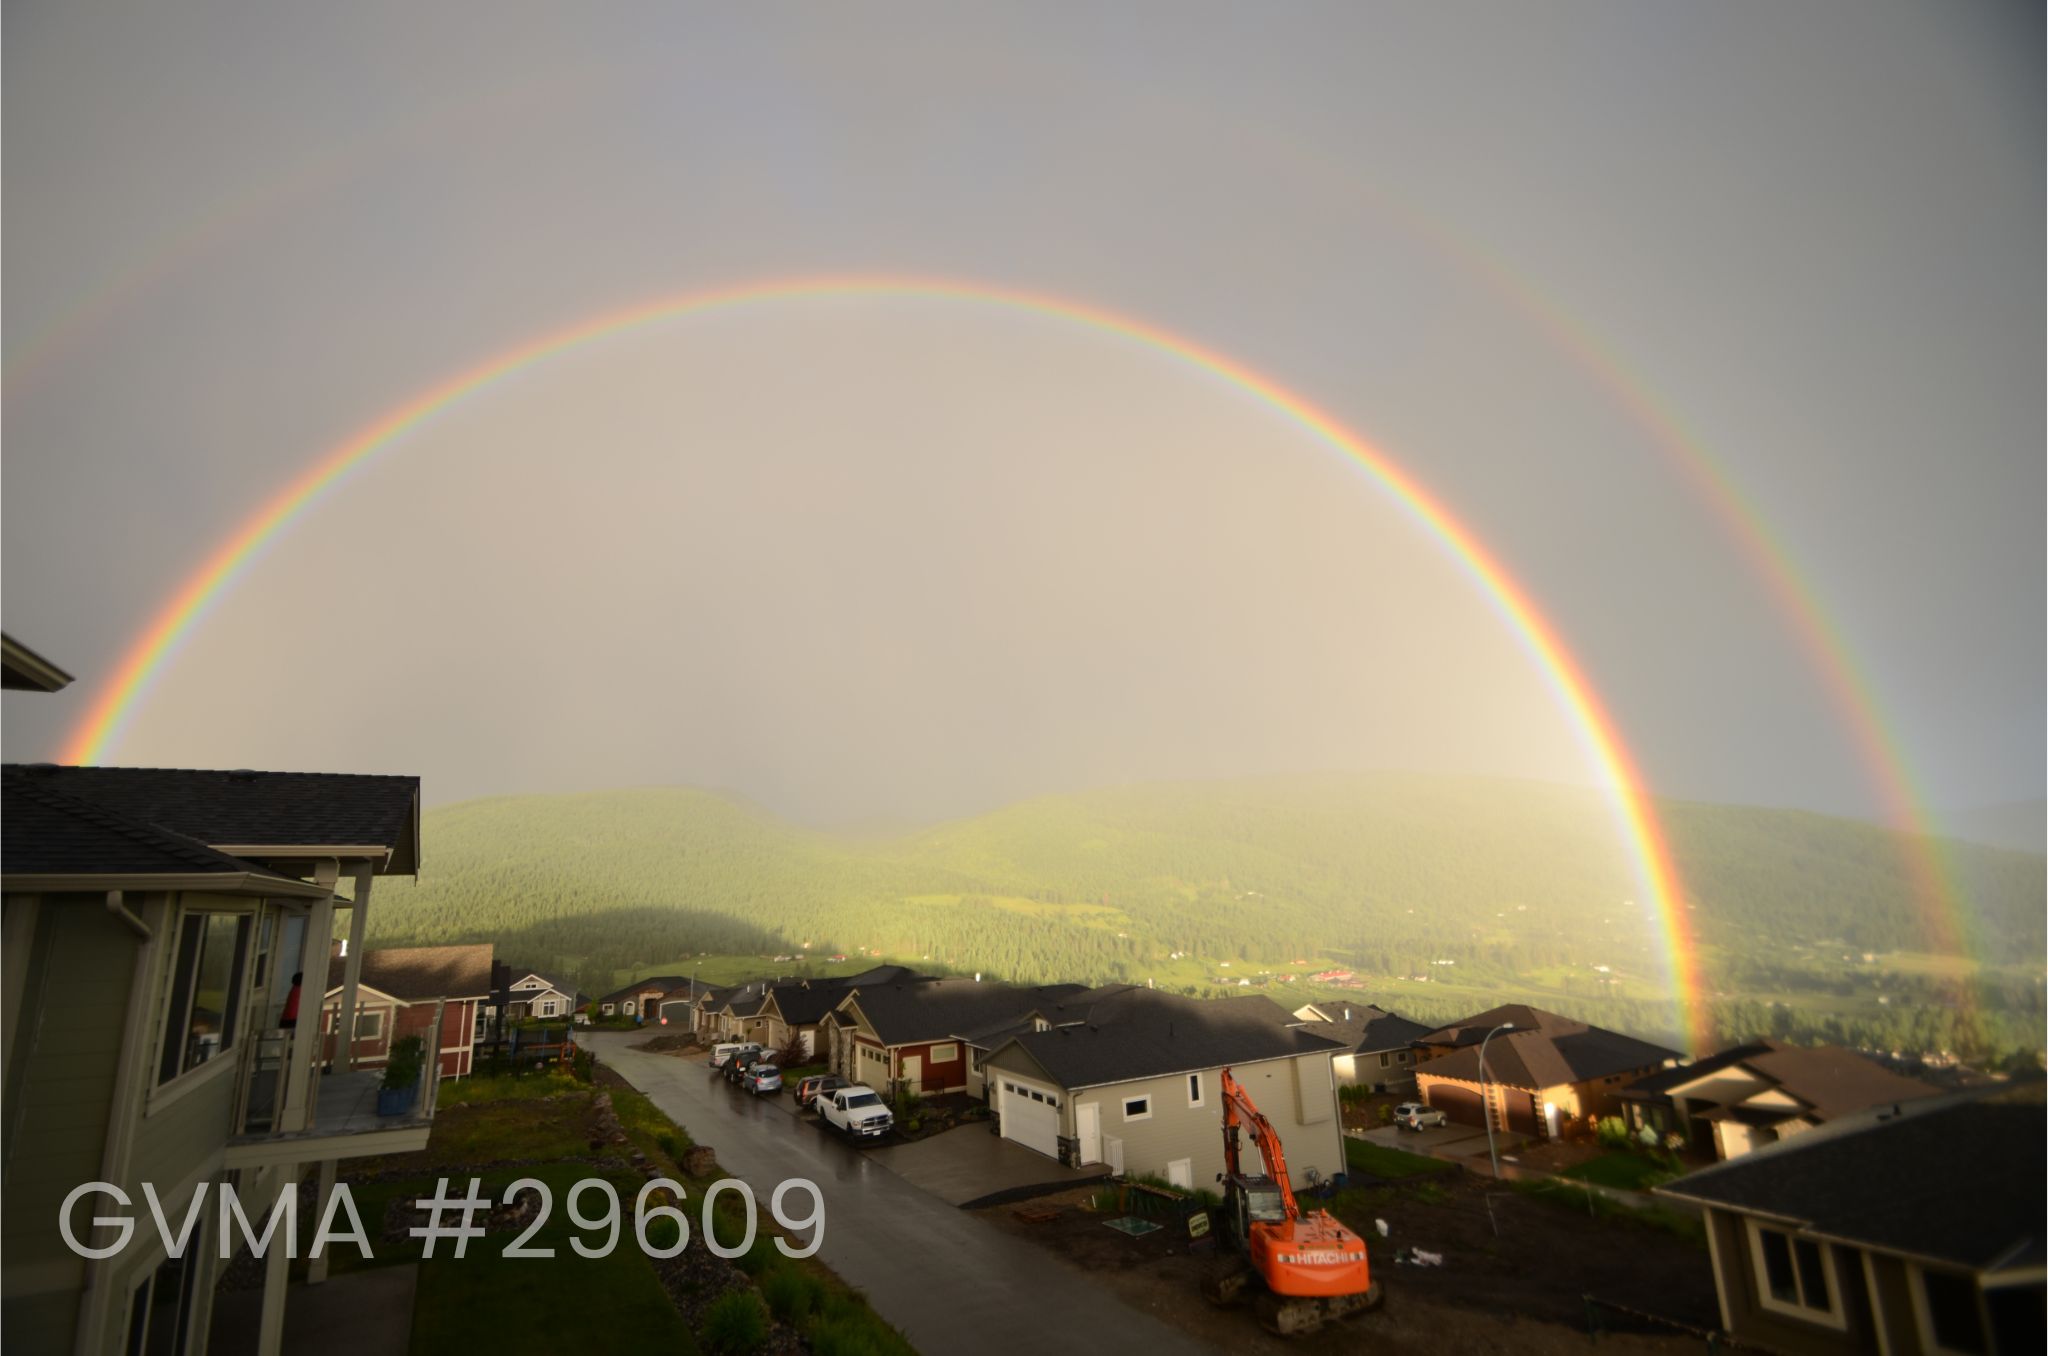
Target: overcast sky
x,y
889,559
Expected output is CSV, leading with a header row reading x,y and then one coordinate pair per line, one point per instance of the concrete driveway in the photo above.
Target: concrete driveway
x,y
948,1280
968,1166
1446,1141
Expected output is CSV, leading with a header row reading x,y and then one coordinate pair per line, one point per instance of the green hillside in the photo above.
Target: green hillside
x,y
1517,885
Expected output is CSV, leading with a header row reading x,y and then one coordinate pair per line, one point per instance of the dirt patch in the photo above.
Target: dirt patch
x,y
1522,1291
671,1044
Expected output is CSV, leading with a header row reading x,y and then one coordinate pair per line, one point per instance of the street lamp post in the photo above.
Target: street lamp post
x,y
1486,1096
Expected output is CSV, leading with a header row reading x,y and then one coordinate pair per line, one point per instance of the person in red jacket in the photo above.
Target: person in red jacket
x,y
290,1020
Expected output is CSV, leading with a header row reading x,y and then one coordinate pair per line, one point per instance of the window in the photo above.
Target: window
x,y
1195,1097
1794,1275
1950,1319
1137,1108
205,991
1386,1060
547,1007
945,1054
369,1024
629,1007
1407,1056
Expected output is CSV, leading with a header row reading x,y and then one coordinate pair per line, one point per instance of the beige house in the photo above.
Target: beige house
x,y
154,921
1136,1086
1751,1095
1901,1230
1380,1050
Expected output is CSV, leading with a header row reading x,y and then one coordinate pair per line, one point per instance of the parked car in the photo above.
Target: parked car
x,y
1415,1115
743,1060
809,1090
723,1054
761,1077
856,1111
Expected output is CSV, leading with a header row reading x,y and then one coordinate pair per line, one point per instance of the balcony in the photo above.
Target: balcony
x,y
344,1122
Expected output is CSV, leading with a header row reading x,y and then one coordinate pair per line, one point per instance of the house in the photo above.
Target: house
x,y
678,1007
1381,1053
413,991
534,997
1137,1085
155,921
794,1012
639,999
1751,1095
908,1033
1543,1070
1900,1229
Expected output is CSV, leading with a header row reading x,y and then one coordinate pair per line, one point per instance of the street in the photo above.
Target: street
x,y
947,1280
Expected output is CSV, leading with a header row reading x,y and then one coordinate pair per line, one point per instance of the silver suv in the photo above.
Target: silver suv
x,y
1415,1115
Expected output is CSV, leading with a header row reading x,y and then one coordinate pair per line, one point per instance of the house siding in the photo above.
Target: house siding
x,y
59,1097
1751,1321
1298,1095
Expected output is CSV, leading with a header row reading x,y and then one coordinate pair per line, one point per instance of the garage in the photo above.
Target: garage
x,y
1523,1112
1460,1104
1030,1115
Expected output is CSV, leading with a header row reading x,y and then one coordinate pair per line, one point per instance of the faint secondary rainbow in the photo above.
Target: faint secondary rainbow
x,y
119,698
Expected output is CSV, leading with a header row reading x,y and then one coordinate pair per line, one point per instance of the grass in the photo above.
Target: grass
x,y
1622,1168
1376,1160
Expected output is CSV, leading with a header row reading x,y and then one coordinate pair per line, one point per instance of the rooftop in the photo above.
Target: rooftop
x,y
1143,1033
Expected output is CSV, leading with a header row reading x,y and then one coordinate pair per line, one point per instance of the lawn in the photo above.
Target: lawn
x,y
1366,1158
1622,1168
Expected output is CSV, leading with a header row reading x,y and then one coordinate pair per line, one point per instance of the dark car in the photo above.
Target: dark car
x,y
735,1068
809,1090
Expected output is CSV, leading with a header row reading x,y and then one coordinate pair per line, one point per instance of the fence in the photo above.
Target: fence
x,y
521,1049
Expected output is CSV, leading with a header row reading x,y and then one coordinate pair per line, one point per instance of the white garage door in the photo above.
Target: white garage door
x,y
1031,1116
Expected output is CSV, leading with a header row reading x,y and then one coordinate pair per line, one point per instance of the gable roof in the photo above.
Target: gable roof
x,y
1543,1049
1142,1033
1828,1081
1366,1028
247,810
661,984
1956,1179
936,1009
805,1003
424,973
45,832
1659,1084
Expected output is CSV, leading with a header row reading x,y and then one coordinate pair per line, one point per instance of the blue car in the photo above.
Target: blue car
x,y
760,1078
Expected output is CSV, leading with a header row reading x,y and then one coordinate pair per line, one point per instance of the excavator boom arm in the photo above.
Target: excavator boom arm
x,y
1240,1109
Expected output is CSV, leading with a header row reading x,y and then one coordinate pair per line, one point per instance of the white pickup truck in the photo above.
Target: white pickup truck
x,y
857,1112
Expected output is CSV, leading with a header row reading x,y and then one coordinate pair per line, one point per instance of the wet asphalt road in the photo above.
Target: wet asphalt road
x,y
949,1281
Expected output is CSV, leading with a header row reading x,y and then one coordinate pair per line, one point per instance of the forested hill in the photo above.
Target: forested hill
x,y
1385,872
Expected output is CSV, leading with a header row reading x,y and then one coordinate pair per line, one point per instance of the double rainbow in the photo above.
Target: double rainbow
x,y
119,699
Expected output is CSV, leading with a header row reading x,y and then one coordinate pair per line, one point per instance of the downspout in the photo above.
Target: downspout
x,y
119,909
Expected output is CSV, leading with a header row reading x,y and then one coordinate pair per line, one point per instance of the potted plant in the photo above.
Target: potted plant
x,y
402,1077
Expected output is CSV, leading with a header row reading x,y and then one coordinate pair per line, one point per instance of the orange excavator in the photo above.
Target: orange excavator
x,y
1301,1269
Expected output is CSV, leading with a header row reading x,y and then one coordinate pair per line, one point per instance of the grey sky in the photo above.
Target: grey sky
x,y
894,559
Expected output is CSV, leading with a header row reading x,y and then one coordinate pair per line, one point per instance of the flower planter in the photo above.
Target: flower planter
x,y
397,1101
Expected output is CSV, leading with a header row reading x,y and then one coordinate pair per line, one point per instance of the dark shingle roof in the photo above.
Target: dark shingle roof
x,y
424,973
1367,1029
44,832
935,1009
1543,1050
1142,1033
805,1004
1956,1179
244,809
1659,1084
1828,1080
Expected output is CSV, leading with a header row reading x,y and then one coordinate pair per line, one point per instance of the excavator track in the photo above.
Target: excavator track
x,y
1290,1316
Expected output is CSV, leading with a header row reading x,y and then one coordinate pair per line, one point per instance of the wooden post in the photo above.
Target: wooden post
x,y
276,1262
352,970
316,1267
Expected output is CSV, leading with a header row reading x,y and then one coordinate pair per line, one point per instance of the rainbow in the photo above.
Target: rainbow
x,y
120,696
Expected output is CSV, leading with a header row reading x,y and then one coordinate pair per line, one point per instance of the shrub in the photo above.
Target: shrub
x,y
1386,1113
758,1258
1613,1132
402,1067
792,1293
1355,1092
736,1322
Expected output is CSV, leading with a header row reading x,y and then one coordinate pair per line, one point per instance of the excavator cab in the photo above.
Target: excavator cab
x,y
1253,1200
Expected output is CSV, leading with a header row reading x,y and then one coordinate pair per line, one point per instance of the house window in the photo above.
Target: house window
x,y
1794,1275
547,1007
1386,1060
629,1007
945,1054
1137,1108
1195,1097
369,1024
1407,1057
1950,1317
205,991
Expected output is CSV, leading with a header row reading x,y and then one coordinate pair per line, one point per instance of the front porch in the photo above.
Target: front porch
x,y
345,1124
